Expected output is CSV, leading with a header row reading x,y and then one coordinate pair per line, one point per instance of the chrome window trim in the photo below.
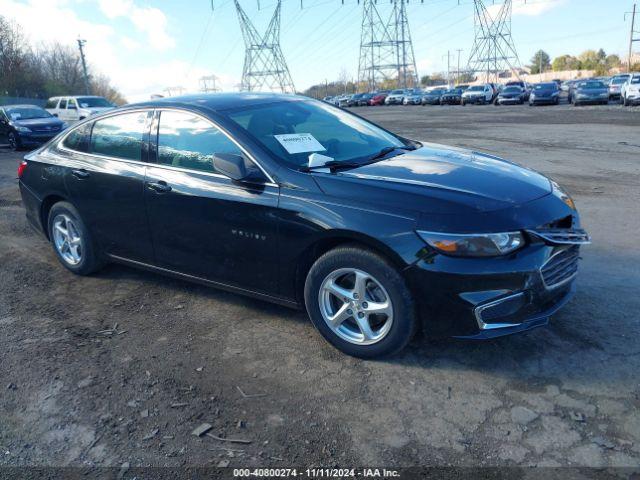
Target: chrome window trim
x,y
60,145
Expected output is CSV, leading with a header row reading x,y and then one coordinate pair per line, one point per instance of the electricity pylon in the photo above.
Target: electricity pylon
x,y
493,51
209,84
386,50
264,63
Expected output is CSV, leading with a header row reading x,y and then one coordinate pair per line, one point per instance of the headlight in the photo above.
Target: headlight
x,y
23,129
474,245
562,195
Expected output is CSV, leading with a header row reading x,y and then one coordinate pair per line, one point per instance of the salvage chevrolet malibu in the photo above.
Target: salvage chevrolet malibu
x,y
298,202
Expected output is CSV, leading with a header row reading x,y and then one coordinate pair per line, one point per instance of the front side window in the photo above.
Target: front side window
x,y
78,139
72,104
189,141
119,136
291,131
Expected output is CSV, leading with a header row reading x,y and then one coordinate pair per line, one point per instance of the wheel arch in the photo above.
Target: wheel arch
x,y
334,239
48,202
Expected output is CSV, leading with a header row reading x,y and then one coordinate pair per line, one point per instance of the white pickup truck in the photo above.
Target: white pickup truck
x,y
72,109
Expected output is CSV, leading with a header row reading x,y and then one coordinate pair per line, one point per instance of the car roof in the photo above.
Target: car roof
x,y
220,101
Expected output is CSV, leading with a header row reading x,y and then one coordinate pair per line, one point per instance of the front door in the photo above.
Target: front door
x,y
4,127
203,223
105,178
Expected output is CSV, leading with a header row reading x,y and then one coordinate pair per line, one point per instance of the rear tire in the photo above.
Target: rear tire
x,y
359,282
71,240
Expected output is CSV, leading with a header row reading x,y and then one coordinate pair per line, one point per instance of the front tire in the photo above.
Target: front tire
x,y
71,240
360,303
14,142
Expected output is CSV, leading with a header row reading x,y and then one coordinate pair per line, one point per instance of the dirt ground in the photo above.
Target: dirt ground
x,y
120,367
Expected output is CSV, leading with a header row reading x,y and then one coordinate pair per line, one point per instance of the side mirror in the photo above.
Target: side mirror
x,y
230,165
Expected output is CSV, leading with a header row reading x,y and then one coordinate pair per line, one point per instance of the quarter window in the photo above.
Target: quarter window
x,y
120,136
188,141
78,139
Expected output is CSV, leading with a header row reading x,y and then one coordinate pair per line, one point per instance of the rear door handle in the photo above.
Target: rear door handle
x,y
80,174
159,187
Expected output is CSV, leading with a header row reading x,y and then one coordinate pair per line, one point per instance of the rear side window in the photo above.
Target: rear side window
x,y
119,136
63,103
51,103
188,141
78,139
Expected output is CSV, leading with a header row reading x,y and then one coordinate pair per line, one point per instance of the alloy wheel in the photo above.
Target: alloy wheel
x,y
13,143
67,239
355,306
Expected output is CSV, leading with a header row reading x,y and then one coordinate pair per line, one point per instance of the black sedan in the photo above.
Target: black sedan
x,y
294,201
24,126
452,96
590,92
432,97
545,94
510,96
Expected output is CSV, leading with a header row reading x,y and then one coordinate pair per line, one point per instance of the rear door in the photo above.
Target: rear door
x,y
202,223
105,171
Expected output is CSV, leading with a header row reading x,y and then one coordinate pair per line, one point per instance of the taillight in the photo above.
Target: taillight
x,y
21,168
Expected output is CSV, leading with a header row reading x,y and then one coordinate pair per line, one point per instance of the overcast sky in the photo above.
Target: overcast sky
x,y
148,45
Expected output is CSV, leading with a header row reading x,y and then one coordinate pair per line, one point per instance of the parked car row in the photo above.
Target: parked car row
x,y
29,126
601,90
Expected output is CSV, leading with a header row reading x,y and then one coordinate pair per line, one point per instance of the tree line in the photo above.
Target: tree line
x,y
44,70
596,60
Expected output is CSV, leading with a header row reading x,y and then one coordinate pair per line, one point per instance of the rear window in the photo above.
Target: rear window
x,y
119,136
78,139
51,103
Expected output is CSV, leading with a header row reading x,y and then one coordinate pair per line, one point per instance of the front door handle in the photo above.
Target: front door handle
x,y
159,187
80,174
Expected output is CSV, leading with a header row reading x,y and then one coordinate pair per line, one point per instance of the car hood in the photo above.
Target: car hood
x,y
439,179
38,122
97,109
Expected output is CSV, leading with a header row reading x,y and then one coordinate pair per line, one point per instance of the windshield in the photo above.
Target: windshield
x,y
397,92
635,80
93,102
454,90
592,85
618,80
437,91
26,113
512,90
545,86
292,131
476,88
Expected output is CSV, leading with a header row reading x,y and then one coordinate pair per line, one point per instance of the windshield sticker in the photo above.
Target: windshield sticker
x,y
299,143
15,116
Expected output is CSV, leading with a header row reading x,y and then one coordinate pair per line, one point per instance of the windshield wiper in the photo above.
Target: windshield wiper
x,y
333,165
387,150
